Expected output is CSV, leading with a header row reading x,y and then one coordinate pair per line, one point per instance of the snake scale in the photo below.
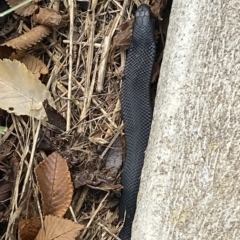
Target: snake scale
x,y
137,111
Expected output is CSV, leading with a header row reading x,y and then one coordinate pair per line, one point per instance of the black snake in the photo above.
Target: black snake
x,y
137,111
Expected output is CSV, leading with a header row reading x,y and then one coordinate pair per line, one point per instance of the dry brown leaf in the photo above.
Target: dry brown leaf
x,y
28,228
123,38
97,137
47,17
54,117
33,64
21,92
59,229
28,39
55,185
26,10
17,54
101,135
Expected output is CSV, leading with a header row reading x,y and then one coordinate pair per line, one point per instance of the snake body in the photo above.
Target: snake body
x,y
137,111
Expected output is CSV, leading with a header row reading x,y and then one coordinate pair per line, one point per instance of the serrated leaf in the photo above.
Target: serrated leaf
x,y
58,229
35,65
26,10
28,228
21,92
47,17
55,185
28,39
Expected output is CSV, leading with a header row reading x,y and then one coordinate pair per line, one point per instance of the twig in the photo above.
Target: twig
x,y
87,93
29,169
71,12
105,52
94,215
72,213
106,229
81,200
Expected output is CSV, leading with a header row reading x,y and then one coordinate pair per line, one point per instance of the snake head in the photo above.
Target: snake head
x,y
143,16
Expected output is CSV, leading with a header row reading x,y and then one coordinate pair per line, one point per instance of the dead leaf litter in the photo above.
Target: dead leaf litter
x,y
61,71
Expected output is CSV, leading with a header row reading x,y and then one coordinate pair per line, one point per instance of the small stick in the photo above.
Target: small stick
x,y
87,93
71,10
105,52
94,215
